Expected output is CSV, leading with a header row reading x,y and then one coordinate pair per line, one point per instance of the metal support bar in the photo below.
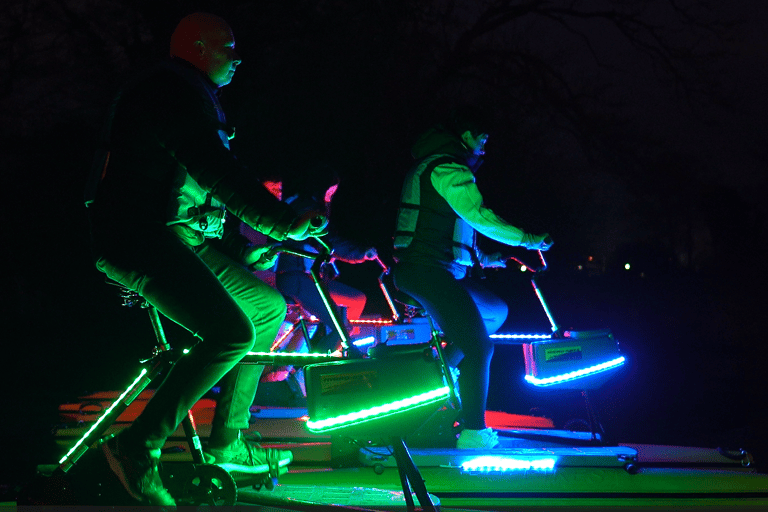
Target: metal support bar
x,y
190,431
410,478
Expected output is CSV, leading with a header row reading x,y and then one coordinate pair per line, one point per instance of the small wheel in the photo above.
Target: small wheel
x,y
631,468
211,485
378,468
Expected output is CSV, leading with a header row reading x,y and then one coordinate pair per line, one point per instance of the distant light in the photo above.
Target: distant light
x,y
185,351
585,372
626,266
580,267
498,464
523,268
589,258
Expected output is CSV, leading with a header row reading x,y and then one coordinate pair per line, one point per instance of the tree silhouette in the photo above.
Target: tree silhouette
x,y
568,83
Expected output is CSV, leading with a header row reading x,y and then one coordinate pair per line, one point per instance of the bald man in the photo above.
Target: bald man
x,y
161,187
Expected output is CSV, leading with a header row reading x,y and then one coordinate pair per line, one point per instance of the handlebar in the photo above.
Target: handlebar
x,y
529,268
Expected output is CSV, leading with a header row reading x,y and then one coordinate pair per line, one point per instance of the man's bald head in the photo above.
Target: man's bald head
x,y
206,41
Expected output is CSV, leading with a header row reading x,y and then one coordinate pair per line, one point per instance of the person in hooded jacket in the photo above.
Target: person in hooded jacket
x,y
435,247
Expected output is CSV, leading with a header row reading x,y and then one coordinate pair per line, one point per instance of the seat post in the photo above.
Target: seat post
x,y
157,326
188,422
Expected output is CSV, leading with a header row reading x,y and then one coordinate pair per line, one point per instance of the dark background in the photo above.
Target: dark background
x,y
632,132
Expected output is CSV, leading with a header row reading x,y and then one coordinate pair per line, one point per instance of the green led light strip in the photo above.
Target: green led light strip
x,y
380,411
106,413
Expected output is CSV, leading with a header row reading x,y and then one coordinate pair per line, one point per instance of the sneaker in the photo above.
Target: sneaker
x,y
137,471
477,439
244,457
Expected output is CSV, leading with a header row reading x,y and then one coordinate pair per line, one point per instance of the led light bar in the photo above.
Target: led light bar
x,y
380,411
79,449
308,355
521,336
369,340
279,341
371,322
500,464
577,374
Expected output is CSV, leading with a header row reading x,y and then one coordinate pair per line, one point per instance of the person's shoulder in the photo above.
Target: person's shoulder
x,y
153,78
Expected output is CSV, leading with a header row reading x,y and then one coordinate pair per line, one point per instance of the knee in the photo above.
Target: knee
x,y
275,305
241,337
497,317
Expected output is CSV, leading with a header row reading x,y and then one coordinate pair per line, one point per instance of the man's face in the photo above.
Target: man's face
x,y
219,56
475,143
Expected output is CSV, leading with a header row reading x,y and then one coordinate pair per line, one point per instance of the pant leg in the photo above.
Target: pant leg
x,y
492,308
266,309
181,286
351,298
453,308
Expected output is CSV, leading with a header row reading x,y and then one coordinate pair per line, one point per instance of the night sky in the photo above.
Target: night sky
x,y
627,133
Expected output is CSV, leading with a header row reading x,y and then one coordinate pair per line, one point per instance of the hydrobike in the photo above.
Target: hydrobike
x,y
378,432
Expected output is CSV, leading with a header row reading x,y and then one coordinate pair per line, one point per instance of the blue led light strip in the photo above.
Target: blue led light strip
x,y
369,340
500,463
521,336
577,374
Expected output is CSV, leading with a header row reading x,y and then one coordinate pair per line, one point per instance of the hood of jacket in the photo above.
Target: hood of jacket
x,y
439,140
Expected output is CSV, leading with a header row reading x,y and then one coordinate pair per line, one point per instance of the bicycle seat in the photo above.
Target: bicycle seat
x,y
130,297
402,297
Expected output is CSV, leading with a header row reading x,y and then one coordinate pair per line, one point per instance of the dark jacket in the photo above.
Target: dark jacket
x,y
166,123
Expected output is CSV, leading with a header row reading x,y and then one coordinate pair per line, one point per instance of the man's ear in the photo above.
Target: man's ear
x,y
468,139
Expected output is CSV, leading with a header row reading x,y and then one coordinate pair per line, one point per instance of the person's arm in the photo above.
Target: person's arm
x,y
190,135
456,184
348,251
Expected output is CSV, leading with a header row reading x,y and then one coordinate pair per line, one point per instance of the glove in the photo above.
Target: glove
x,y
494,260
309,224
537,242
371,254
260,257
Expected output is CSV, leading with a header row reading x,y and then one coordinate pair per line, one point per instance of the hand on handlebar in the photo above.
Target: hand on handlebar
x,y
538,242
371,254
494,260
308,224
260,257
